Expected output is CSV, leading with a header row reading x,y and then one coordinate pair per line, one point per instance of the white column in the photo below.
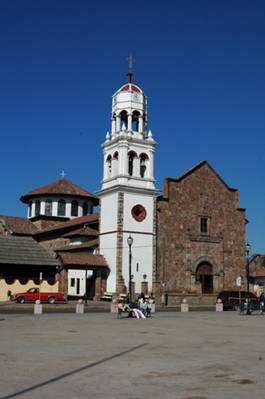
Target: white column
x,y
42,207
129,122
113,124
136,167
140,124
118,123
123,157
105,167
68,209
33,208
114,167
150,165
55,208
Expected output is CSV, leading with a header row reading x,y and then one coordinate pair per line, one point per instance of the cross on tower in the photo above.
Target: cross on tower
x,y
130,66
62,174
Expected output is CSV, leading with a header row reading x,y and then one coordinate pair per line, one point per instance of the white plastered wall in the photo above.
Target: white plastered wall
x,y
108,235
142,234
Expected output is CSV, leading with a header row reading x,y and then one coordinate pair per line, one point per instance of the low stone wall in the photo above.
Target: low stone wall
x,y
175,299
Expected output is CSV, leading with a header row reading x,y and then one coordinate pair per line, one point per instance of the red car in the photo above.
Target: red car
x,y
33,294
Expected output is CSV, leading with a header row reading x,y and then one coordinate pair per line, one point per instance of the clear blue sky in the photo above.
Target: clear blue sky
x,y
201,64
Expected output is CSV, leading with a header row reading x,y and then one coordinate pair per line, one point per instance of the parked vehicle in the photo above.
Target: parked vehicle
x,y
34,294
230,299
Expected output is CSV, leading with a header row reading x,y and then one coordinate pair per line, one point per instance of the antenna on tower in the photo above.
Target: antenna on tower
x,y
130,66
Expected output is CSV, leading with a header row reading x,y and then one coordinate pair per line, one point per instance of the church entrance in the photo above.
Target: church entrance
x,y
204,274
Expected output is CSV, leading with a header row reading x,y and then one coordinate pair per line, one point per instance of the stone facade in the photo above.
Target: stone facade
x,y
200,236
120,280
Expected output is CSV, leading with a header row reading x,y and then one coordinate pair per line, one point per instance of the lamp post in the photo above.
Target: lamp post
x,y
130,243
247,273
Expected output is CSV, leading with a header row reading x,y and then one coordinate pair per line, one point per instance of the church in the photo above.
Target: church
x,y
188,241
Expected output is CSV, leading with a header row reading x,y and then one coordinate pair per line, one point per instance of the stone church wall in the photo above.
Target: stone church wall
x,y
182,247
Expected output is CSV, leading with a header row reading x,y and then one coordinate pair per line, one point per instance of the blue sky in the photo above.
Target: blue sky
x,y
200,62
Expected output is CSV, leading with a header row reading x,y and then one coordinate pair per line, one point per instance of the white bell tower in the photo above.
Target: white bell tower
x,y
128,193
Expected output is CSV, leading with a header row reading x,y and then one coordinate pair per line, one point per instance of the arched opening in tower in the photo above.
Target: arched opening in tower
x,y
124,119
135,121
143,164
131,157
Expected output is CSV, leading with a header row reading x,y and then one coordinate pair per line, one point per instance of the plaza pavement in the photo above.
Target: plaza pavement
x,y
195,355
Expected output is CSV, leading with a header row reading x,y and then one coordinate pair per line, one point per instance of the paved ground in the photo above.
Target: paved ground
x,y
194,355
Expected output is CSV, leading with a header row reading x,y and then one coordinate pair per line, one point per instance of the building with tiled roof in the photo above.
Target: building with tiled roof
x,y
23,261
61,198
60,222
16,226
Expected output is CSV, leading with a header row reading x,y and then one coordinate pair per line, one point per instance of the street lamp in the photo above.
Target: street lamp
x,y
247,272
130,243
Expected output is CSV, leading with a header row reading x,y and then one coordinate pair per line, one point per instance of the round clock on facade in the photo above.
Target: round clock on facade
x,y
138,213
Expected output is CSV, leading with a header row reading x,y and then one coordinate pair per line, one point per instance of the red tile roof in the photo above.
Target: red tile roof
x,y
82,259
84,245
83,232
62,187
18,226
76,222
260,271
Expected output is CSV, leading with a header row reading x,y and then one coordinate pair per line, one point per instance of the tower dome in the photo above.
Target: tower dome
x,y
61,198
129,110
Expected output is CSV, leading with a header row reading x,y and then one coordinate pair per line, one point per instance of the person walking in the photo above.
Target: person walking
x,y
261,302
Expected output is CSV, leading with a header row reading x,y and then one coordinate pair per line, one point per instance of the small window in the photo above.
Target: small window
x,y
72,282
74,208
85,209
48,207
61,207
204,225
37,208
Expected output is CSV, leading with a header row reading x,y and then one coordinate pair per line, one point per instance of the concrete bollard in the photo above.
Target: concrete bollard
x,y
184,307
37,307
219,307
114,307
79,307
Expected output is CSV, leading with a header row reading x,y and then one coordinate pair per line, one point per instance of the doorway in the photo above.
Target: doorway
x,y
204,274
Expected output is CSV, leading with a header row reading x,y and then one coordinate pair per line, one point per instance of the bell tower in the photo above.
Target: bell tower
x,y
128,193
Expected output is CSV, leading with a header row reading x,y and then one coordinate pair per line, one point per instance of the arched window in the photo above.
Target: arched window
x,y
37,208
74,208
61,207
85,209
30,209
143,161
124,119
135,121
48,207
131,156
109,160
115,161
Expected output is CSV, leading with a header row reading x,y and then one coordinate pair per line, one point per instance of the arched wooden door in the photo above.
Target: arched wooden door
x,y
204,274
